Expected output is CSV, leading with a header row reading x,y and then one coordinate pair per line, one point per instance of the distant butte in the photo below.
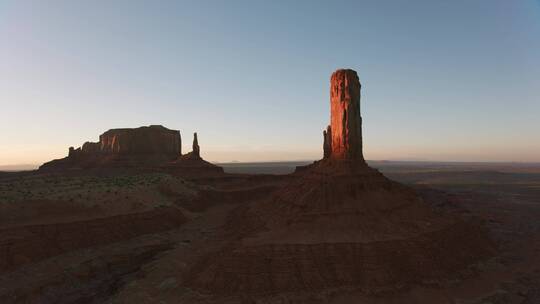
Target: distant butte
x,y
126,147
152,146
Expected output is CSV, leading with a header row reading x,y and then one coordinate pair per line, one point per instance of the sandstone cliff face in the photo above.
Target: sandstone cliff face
x,y
91,147
345,120
152,145
144,140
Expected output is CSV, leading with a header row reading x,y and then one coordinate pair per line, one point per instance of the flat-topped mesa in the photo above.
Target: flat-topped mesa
x,y
154,139
127,147
344,137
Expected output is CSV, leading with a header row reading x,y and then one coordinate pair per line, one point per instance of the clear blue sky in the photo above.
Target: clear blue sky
x,y
441,80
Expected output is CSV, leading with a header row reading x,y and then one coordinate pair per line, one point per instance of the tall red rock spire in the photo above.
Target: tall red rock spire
x,y
345,121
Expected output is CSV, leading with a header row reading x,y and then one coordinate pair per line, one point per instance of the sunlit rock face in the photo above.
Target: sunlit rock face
x,y
345,120
153,139
127,147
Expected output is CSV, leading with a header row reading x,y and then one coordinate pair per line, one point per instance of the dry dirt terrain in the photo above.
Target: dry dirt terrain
x,y
114,236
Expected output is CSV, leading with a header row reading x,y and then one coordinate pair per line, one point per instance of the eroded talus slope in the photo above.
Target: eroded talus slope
x,y
340,224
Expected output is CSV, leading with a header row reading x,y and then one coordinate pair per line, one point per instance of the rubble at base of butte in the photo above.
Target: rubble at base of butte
x,y
340,224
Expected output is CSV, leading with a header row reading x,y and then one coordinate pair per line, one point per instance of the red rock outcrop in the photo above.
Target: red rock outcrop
x,y
345,120
91,147
152,145
154,139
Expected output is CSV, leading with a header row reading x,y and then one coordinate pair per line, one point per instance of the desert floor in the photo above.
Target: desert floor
x,y
133,237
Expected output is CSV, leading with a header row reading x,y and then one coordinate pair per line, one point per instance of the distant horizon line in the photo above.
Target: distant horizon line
x,y
30,167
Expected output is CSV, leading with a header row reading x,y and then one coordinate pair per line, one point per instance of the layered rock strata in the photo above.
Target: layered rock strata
x,y
150,145
154,139
345,121
28,244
